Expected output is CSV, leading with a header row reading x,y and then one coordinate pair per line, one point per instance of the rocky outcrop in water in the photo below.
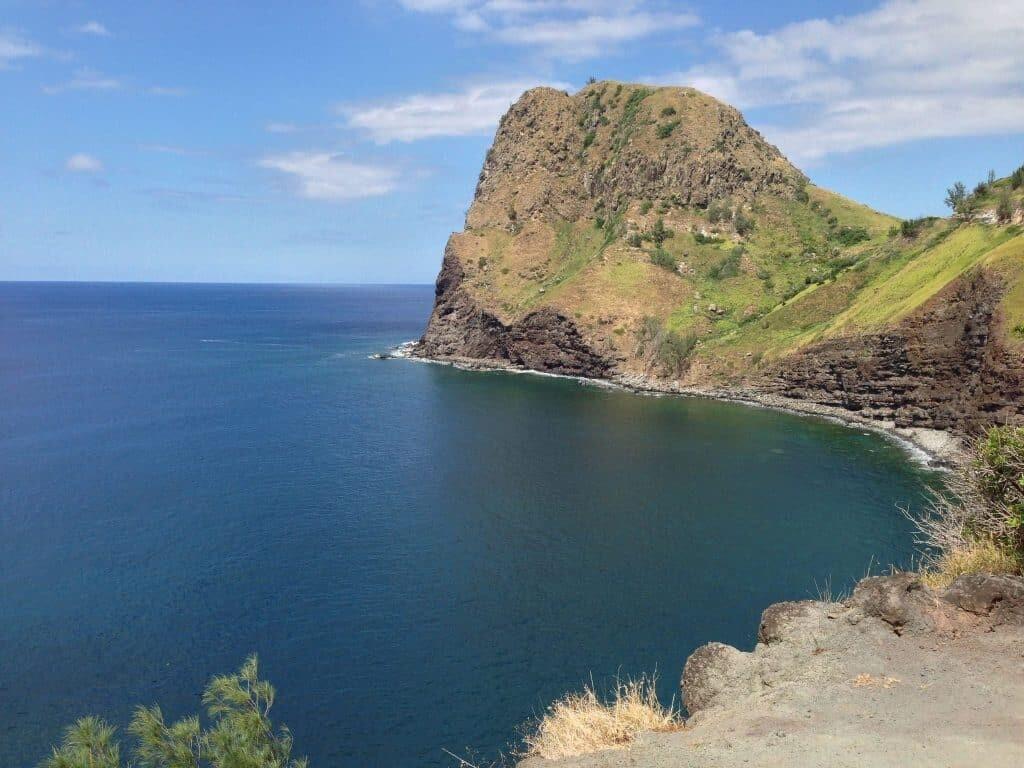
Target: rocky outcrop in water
x,y
544,340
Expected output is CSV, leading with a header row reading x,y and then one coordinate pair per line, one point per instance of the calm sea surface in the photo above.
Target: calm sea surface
x,y
422,557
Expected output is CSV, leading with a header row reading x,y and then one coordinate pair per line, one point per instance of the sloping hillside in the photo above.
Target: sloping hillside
x,y
650,235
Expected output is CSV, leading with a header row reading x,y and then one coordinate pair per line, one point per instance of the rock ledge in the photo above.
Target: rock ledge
x,y
896,675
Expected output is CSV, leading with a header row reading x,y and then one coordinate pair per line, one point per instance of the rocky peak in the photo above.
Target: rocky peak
x,y
565,157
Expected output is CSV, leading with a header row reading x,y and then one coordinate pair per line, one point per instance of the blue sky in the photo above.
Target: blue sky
x,y
340,141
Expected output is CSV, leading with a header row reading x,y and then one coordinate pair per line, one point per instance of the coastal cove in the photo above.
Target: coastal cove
x,y
936,448
423,557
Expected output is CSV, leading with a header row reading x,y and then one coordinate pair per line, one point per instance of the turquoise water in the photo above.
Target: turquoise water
x,y
423,557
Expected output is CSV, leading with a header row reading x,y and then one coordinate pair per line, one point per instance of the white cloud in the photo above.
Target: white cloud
x,y
14,47
907,70
93,28
83,163
590,36
281,128
327,176
565,29
170,149
473,110
166,90
85,80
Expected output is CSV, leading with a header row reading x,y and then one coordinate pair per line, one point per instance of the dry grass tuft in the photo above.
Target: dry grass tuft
x,y
977,557
584,722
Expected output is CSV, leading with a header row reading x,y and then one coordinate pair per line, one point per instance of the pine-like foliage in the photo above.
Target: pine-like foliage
x,y
240,733
89,743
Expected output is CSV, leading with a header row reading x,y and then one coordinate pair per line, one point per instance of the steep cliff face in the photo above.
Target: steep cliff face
x,y
543,340
649,235
944,367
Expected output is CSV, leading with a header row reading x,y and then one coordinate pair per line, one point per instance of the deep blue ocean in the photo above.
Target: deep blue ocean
x,y
422,557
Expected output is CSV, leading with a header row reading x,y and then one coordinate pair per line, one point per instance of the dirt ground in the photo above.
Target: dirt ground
x,y
897,675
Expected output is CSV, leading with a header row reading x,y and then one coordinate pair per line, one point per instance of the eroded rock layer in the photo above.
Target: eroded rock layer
x,y
944,367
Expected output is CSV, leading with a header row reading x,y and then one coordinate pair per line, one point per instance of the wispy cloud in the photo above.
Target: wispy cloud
x,y
14,47
94,28
180,198
85,80
907,70
166,90
474,109
564,29
332,177
83,163
171,149
281,128
590,36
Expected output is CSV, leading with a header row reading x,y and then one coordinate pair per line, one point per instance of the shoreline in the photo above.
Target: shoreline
x,y
934,448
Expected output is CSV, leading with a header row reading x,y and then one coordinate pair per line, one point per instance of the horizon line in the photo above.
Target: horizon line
x,y
4,281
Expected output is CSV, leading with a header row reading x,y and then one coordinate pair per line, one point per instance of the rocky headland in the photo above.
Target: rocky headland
x,y
650,237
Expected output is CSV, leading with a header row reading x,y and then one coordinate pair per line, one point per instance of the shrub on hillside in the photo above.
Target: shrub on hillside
x,y
912,227
743,224
1017,178
719,211
702,239
648,332
1004,208
660,233
851,235
645,207
668,111
662,258
674,350
727,267
962,204
955,195
240,733
664,349
588,139
665,129
976,522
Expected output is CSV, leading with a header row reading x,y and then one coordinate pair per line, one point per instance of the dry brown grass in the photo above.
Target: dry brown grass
x,y
583,722
977,557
